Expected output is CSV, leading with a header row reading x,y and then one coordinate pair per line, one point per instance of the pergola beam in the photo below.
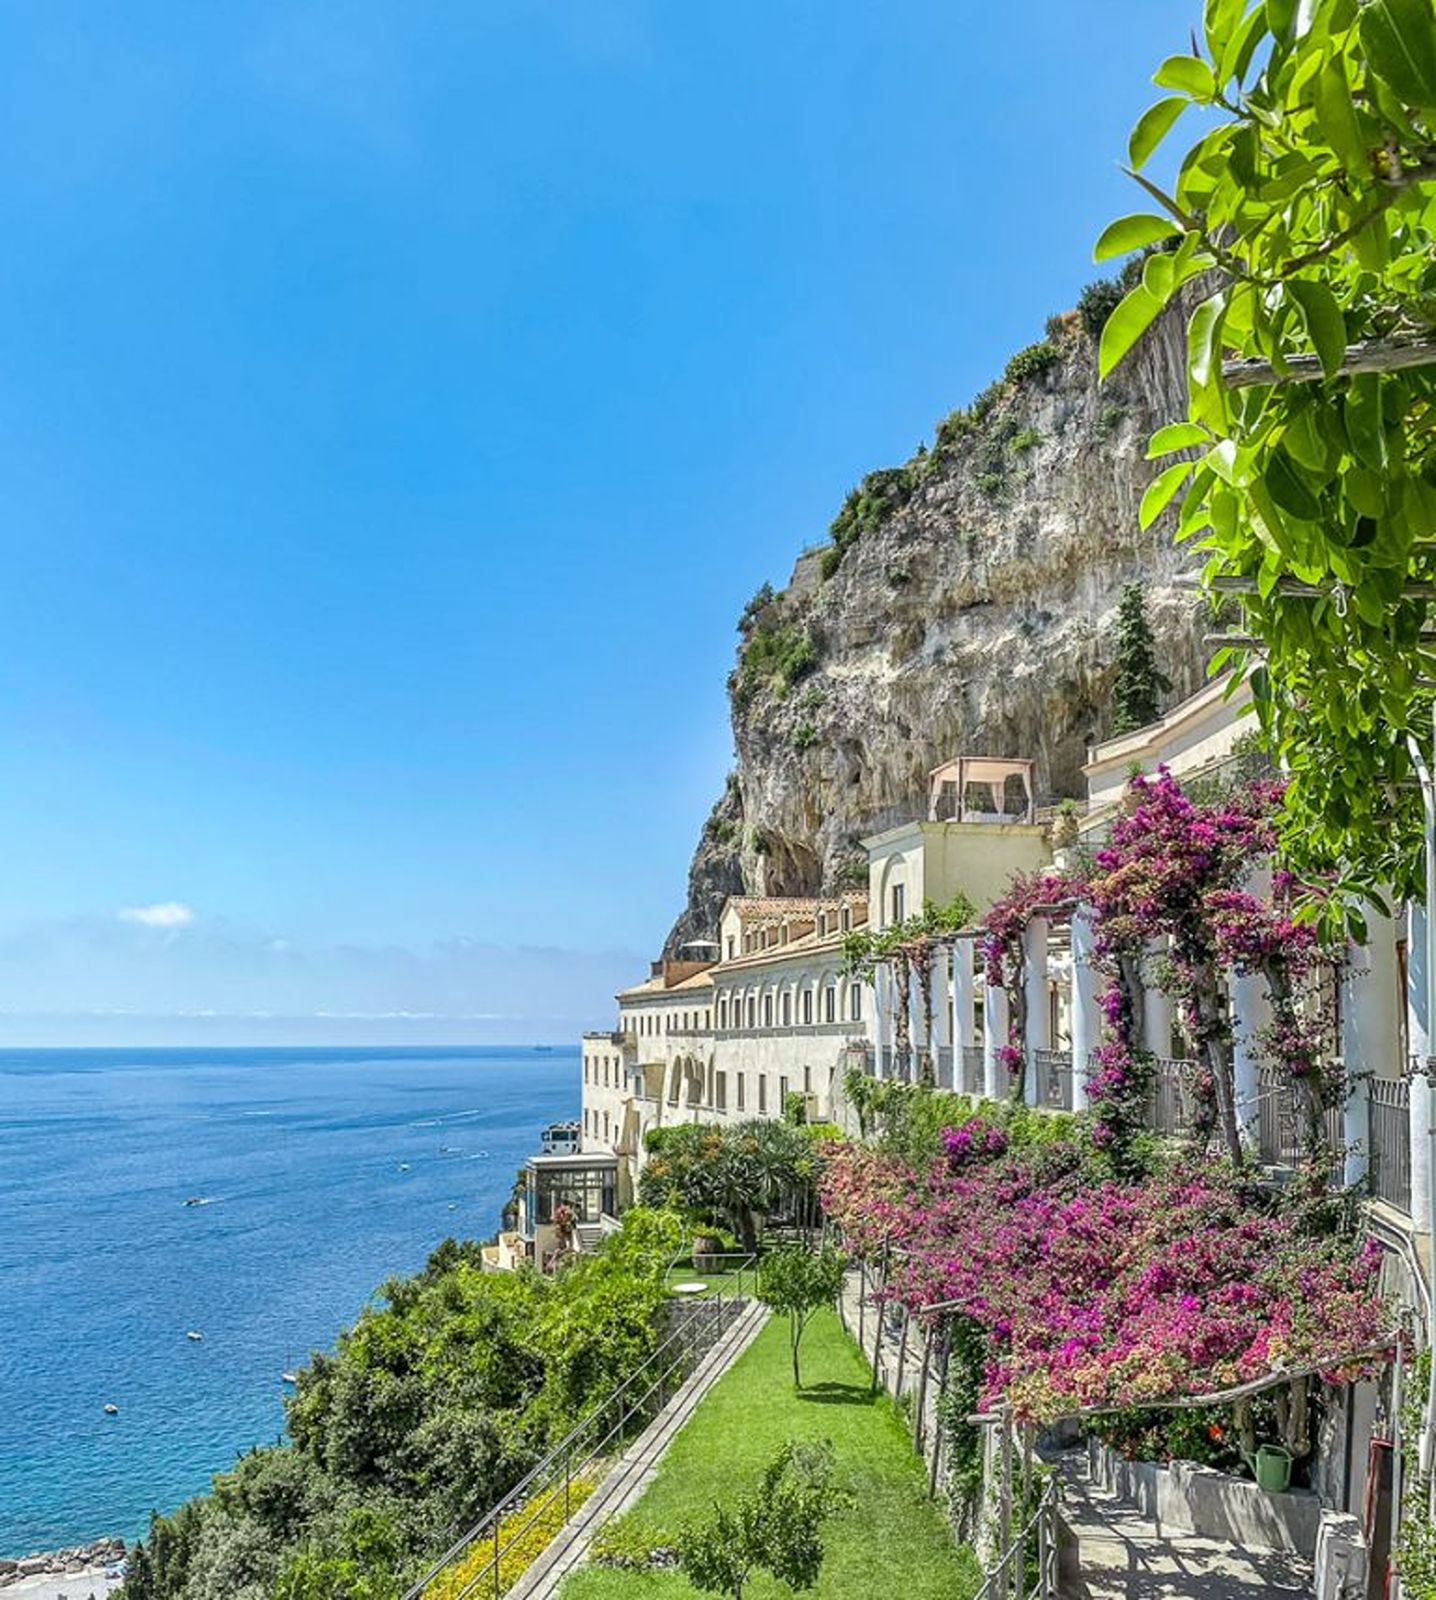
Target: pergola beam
x,y
1376,355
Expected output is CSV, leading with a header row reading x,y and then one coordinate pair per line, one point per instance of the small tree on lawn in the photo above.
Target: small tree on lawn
x,y
799,1282
1140,685
773,1528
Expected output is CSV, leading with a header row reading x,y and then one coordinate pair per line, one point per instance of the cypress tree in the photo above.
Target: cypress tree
x,y
1140,685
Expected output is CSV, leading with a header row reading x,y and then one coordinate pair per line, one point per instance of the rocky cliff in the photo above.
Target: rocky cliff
x,y
965,604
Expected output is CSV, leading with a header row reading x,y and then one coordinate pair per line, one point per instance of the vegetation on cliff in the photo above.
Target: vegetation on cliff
x,y
431,1407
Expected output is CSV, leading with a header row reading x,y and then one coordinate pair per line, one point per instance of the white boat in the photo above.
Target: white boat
x,y
403,1166
111,1409
290,1377
194,1334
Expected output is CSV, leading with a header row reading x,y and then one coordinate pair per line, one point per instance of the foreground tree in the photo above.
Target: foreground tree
x,y
797,1282
1301,235
772,1529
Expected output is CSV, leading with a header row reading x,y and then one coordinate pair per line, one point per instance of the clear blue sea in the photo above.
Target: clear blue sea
x,y
104,1269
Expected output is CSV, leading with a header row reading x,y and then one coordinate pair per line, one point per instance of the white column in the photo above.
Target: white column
x,y
941,1016
1251,1012
1086,1014
1419,1035
1370,1037
964,1011
1156,1006
1039,1015
995,1078
880,1018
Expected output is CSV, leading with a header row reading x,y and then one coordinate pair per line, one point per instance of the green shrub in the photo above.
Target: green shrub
x,y
1031,361
868,506
990,483
805,736
776,654
1026,439
1096,303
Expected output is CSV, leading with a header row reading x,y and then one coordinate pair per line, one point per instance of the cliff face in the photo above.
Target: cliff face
x,y
972,613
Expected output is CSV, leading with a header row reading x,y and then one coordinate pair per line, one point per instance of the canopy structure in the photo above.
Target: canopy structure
x,y
950,786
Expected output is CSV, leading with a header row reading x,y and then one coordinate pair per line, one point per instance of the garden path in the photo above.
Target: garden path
x,y
1119,1554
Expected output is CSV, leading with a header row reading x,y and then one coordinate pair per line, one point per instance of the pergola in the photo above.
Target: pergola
x,y
949,783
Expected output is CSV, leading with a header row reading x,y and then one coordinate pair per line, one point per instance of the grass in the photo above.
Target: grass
x,y
890,1540
712,1281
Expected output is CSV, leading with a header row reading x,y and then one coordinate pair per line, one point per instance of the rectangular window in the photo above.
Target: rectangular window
x,y
720,1090
767,1011
899,902
787,1008
752,1012
830,1004
807,1007
782,1094
855,1001
741,1081
807,1080
762,1091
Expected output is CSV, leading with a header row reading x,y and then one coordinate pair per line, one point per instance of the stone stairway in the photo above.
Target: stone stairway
x,y
1110,1551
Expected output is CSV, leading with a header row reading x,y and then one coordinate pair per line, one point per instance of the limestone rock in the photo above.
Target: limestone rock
x,y
977,618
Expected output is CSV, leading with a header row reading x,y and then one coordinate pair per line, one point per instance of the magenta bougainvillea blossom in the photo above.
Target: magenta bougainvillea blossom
x,y
975,1140
1113,1294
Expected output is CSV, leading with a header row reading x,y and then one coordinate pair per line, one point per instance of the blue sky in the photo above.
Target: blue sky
x,y
398,402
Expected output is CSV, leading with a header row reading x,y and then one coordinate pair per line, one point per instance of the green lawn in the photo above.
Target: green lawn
x,y
890,1540
712,1281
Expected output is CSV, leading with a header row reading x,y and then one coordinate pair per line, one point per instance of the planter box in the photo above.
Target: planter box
x,y
1193,1499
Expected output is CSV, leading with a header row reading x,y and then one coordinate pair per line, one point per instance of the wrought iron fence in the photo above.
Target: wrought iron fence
x,y
526,1520
1391,1141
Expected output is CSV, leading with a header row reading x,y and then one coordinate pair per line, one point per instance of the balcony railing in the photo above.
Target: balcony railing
x,y
1054,1078
796,1030
1391,1141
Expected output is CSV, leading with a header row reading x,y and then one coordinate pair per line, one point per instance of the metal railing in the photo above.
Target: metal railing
x,y
573,1470
1054,1078
1171,1107
1391,1141
972,1073
1033,1547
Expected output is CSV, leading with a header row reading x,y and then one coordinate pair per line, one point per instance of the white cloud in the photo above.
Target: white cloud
x,y
163,914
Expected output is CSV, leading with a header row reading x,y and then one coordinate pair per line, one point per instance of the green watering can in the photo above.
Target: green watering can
x,y
1271,1467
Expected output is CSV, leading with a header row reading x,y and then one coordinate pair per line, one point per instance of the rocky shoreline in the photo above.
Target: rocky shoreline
x,y
65,1563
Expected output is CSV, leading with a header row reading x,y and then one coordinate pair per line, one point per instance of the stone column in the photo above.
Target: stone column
x,y
1086,1013
964,1012
1418,1026
1039,1015
1156,1006
1370,1036
995,1078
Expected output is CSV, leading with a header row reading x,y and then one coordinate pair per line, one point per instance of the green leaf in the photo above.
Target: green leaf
x,y
1325,325
1400,43
1160,491
1203,340
1176,436
1337,119
1152,127
1219,18
1287,488
1363,422
1281,19
1131,233
1190,74
1238,55
1133,316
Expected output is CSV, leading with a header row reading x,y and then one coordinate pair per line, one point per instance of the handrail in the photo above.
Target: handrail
x,y
679,1345
999,1583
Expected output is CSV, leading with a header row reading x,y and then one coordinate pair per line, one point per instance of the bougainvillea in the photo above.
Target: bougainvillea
x,y
1110,1294
1172,871
977,1139
1004,953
